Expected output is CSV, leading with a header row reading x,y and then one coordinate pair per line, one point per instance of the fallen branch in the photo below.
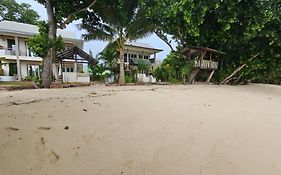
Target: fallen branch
x,y
227,79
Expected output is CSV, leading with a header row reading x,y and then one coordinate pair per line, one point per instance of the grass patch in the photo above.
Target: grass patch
x,y
16,83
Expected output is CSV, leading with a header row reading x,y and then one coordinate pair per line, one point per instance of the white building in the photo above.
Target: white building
x,y
141,53
18,62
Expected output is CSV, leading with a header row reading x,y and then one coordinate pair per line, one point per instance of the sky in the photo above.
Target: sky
x,y
97,46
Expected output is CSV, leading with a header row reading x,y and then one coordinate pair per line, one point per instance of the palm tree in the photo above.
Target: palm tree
x,y
108,56
121,20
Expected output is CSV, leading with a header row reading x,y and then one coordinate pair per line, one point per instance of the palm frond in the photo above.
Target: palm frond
x,y
140,26
98,32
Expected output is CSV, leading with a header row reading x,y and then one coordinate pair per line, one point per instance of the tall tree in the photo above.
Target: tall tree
x,y
60,13
12,11
179,18
123,20
248,31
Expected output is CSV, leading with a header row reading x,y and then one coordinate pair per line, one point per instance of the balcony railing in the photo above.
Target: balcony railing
x,y
7,52
4,52
205,64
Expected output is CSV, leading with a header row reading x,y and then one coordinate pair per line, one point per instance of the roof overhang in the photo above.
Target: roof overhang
x,y
153,50
195,49
70,54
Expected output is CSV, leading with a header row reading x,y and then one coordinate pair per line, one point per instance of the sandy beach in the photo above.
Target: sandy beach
x,y
142,130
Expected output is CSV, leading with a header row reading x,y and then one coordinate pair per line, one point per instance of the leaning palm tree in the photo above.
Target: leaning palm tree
x,y
121,20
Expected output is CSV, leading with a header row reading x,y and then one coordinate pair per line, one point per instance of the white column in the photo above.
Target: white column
x,y
60,71
55,70
75,67
18,57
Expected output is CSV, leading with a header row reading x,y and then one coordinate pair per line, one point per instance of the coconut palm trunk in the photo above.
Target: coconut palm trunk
x,y
121,72
121,44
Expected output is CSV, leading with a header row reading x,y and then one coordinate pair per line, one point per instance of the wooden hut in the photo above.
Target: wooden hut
x,y
205,59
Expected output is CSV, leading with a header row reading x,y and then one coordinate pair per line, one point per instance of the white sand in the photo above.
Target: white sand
x,y
152,130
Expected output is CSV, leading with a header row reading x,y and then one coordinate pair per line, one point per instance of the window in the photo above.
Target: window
x,y
12,69
11,44
125,58
146,57
33,70
140,56
68,69
29,53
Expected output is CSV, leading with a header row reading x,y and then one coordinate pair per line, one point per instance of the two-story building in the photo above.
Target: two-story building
x,y
141,53
18,62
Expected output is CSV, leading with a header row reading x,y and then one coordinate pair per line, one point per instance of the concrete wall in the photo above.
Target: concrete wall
x,y
22,46
5,68
3,42
72,77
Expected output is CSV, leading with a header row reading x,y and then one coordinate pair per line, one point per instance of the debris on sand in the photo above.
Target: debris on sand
x,y
85,110
97,103
44,128
55,154
16,103
42,140
12,128
66,127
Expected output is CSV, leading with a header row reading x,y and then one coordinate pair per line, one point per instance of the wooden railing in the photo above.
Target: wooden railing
x,y
206,64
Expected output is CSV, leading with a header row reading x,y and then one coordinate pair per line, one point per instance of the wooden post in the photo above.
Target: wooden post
x,y
203,53
193,75
210,76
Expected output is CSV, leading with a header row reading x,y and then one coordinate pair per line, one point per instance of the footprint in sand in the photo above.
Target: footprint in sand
x,y
45,152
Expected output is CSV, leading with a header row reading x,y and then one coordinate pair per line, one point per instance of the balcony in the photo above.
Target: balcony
x,y
11,55
205,64
4,52
152,60
11,52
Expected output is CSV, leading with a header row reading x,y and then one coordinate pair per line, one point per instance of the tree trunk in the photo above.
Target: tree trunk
x,y
193,75
48,61
121,63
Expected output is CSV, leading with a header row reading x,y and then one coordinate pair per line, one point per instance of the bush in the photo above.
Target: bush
x,y
32,78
